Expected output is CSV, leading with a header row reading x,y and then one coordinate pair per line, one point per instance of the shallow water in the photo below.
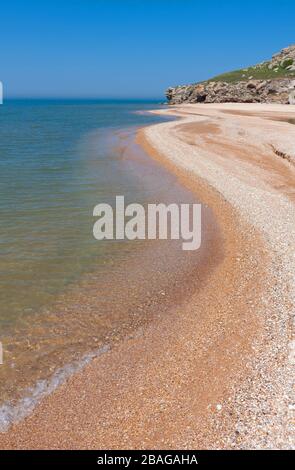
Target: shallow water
x,y
55,166
65,295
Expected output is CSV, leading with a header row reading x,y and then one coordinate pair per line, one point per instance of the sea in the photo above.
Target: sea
x,y
66,297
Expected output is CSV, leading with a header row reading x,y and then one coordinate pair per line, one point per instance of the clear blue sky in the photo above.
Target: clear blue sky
x,y
133,48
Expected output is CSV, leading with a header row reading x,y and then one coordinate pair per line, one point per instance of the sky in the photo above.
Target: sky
x,y
133,48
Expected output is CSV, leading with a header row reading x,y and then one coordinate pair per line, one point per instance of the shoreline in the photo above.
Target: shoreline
x,y
184,379
167,270
25,407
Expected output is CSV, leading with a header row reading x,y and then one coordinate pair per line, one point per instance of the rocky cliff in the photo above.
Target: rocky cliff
x,y
272,81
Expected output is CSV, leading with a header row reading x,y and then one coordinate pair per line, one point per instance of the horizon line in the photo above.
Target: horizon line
x,y
89,98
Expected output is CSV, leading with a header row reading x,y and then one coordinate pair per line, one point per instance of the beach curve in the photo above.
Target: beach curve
x,y
203,375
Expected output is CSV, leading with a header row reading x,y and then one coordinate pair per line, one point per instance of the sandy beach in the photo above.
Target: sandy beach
x,y
217,369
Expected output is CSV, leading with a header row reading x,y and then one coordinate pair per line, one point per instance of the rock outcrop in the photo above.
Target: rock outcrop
x,y
279,88
254,91
284,58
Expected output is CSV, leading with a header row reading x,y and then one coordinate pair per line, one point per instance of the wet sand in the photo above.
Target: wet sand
x,y
214,370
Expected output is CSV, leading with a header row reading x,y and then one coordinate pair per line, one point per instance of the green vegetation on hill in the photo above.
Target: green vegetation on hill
x,y
271,81
258,72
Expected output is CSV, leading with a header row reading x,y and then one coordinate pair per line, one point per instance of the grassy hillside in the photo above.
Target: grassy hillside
x,y
258,72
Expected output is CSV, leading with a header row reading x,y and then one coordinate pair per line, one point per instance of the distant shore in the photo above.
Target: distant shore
x,y
216,370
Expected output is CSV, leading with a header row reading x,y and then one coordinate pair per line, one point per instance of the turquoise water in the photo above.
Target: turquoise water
x,y
57,162
63,294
